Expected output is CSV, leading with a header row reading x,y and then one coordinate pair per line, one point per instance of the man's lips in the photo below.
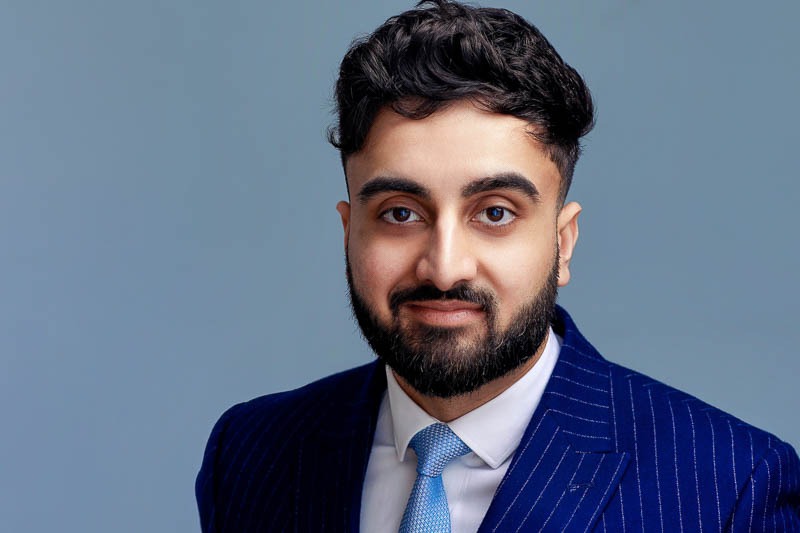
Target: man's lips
x,y
446,305
445,312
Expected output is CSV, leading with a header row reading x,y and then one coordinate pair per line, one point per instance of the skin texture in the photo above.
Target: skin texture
x,y
424,213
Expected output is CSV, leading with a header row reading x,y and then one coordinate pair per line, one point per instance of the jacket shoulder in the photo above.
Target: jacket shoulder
x,y
696,459
255,443
643,407
271,420
643,401
343,387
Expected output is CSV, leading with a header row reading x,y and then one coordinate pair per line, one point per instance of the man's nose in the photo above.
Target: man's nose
x,y
448,258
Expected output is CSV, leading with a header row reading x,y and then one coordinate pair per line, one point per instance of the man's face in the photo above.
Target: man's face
x,y
455,245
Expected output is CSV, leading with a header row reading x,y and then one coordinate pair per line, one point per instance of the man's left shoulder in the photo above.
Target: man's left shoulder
x,y
710,466
688,464
644,408
666,414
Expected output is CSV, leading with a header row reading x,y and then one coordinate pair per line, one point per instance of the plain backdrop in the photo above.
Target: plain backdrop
x,y
169,244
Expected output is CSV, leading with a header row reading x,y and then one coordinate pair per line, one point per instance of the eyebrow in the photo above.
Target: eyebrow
x,y
383,184
505,181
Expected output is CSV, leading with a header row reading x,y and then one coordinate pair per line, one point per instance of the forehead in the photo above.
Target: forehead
x,y
450,148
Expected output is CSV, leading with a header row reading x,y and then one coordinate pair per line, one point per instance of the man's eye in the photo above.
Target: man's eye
x,y
400,215
495,216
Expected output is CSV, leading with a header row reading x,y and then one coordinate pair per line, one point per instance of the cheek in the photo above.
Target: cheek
x,y
378,267
518,270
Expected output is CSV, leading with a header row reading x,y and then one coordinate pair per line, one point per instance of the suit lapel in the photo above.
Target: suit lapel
x,y
332,460
565,467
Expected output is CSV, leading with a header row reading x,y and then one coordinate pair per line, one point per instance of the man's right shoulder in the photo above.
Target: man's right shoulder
x,y
256,444
290,407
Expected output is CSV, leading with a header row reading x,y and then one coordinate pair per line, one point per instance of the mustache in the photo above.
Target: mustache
x,y
462,292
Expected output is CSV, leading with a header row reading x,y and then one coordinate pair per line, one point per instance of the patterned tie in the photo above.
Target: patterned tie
x,y
427,511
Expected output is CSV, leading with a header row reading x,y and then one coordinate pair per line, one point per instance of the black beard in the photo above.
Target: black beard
x,y
435,361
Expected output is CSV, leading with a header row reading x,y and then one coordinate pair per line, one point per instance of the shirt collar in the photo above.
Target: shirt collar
x,y
493,430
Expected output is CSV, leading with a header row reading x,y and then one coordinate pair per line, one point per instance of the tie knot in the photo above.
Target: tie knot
x,y
435,446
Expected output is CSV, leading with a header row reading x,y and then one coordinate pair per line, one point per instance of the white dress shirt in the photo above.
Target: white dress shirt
x,y
492,431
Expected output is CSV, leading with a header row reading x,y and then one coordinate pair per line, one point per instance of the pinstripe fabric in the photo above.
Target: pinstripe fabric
x,y
607,449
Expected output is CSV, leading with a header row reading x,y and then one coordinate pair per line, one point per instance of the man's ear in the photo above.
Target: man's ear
x,y
567,223
344,211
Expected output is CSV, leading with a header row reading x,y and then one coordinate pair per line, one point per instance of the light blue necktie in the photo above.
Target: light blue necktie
x,y
427,511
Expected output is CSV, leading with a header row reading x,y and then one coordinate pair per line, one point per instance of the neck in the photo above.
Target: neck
x,y
448,409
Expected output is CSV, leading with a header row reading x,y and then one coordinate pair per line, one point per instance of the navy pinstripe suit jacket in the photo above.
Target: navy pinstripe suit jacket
x,y
608,449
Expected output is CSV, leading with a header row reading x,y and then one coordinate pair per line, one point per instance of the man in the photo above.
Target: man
x,y
486,410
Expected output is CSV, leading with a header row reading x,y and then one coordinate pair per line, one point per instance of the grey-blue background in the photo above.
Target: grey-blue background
x,y
169,245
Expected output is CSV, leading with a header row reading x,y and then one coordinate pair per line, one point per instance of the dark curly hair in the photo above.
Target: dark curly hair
x,y
443,51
